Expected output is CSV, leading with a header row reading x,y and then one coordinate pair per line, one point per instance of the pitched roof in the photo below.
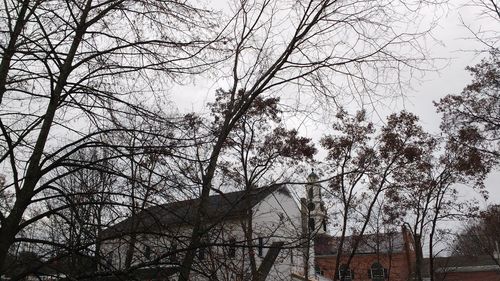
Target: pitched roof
x,y
369,244
152,274
220,207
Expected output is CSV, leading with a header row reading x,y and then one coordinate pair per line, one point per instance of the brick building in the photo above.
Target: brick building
x,y
378,257
464,268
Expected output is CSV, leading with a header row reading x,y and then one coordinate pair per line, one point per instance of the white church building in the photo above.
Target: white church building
x,y
246,228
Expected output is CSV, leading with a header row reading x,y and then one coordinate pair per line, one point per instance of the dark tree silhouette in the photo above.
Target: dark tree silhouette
x,y
367,164
268,57
480,236
471,119
66,67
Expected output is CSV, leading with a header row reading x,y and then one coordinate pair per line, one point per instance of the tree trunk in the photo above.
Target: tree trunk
x,y
9,228
11,47
268,261
419,256
249,240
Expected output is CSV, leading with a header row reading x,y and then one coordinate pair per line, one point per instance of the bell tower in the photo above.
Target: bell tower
x,y
315,206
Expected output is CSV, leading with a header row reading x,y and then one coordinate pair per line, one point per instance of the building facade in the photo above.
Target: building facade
x,y
387,256
244,226
464,268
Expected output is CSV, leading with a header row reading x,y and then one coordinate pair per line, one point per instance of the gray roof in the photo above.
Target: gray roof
x,y
151,274
369,244
221,207
462,264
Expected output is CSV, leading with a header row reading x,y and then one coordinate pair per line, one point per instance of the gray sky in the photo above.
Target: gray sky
x,y
453,78
451,43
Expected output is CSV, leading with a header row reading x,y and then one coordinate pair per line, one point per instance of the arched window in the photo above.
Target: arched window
x,y
311,193
318,270
377,272
344,273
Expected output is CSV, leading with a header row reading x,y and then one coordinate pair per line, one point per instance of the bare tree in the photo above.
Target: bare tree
x,y
471,119
365,166
66,66
429,195
261,152
83,210
327,46
69,66
488,10
480,236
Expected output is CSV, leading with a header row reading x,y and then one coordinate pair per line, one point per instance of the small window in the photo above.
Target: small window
x,y
311,193
147,252
291,256
324,224
201,252
261,247
232,248
312,224
109,258
173,254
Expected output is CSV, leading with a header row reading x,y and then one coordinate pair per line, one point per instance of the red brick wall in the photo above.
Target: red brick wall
x,y
399,265
396,264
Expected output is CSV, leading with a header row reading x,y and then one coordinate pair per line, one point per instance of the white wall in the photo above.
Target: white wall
x,y
276,218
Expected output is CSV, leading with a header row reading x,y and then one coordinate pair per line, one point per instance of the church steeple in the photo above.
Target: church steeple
x,y
315,205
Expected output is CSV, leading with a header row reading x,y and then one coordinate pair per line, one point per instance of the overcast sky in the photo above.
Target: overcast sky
x,y
450,43
453,78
